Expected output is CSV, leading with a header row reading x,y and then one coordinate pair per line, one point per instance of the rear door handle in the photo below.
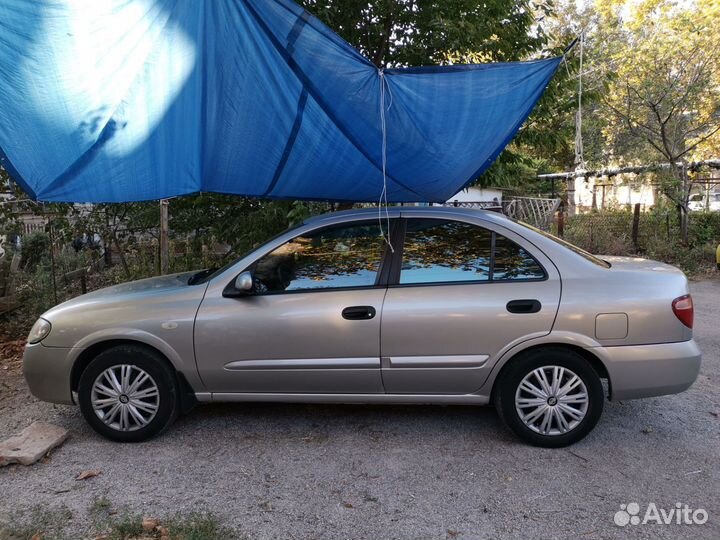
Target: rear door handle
x,y
358,313
523,306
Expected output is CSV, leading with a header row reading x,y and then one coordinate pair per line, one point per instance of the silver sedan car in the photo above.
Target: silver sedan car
x,y
427,305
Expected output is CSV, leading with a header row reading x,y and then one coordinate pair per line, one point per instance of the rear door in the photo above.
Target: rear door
x,y
461,293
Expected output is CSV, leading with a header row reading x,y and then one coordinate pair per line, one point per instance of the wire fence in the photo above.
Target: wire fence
x,y
653,233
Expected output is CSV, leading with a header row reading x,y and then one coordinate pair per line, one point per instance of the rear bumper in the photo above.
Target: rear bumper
x,y
47,372
641,371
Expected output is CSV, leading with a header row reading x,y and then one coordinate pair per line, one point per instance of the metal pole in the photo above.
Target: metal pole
x,y
164,240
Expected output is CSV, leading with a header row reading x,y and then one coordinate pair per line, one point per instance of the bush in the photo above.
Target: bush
x,y
609,232
35,248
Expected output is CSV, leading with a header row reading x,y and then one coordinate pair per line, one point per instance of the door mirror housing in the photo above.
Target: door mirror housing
x,y
242,285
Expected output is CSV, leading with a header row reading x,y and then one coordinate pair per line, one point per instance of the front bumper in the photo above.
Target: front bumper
x,y
47,371
640,371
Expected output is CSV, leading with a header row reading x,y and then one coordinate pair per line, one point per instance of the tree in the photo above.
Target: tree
x,y
400,33
661,59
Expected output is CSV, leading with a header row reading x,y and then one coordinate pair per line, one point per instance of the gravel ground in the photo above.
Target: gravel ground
x,y
299,471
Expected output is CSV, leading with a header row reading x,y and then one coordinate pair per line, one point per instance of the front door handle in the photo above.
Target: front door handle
x,y
358,313
523,306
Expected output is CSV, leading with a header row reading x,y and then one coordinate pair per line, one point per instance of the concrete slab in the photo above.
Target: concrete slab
x,y
31,444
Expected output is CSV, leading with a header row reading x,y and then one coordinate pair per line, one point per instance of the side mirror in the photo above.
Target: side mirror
x,y
244,285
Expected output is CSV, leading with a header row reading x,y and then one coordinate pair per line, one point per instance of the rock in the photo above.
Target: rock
x,y
31,444
149,524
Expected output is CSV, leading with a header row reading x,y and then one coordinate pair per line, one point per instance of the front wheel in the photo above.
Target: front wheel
x,y
550,397
128,394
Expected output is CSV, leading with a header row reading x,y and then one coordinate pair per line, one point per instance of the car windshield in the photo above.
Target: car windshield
x,y
584,254
203,276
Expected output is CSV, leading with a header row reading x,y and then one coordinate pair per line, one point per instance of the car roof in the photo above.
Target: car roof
x,y
447,212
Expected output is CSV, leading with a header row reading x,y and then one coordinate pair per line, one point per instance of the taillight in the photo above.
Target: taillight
x,y
683,310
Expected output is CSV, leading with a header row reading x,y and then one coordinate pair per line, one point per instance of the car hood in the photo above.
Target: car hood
x,y
157,284
124,292
163,307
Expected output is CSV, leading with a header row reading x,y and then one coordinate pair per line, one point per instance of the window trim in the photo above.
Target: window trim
x,y
381,278
394,283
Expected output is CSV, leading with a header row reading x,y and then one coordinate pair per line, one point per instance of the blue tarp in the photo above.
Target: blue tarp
x,y
129,100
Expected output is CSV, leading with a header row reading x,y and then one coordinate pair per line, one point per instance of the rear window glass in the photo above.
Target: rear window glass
x,y
446,251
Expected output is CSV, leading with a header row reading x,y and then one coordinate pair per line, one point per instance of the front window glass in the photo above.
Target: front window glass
x,y
339,256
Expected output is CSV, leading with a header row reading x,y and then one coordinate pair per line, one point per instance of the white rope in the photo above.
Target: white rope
x,y
382,202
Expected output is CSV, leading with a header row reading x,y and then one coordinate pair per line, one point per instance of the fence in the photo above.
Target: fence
x,y
535,211
653,232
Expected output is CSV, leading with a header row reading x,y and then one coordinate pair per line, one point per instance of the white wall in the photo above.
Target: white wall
x,y
474,194
619,193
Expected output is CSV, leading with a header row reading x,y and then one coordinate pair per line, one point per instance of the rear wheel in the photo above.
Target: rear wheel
x,y
550,397
128,394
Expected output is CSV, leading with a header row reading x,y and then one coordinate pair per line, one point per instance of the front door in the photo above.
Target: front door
x,y
313,324
463,293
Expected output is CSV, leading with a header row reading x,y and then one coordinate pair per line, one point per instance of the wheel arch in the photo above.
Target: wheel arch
x,y
593,360
91,352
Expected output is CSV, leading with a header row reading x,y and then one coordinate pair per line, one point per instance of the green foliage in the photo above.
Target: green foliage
x,y
399,33
37,522
661,61
126,527
197,526
659,237
35,249
56,524
100,505
240,222
705,228
191,526
517,170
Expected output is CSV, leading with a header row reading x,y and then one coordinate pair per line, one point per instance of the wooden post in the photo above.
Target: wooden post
x,y
83,281
571,196
594,197
52,260
684,218
636,227
561,220
164,237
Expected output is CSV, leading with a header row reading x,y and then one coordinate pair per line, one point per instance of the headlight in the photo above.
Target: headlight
x,y
39,331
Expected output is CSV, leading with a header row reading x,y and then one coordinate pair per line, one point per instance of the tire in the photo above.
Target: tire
x,y
149,408
510,399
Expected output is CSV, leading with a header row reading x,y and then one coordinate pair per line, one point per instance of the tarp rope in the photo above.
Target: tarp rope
x,y
383,202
